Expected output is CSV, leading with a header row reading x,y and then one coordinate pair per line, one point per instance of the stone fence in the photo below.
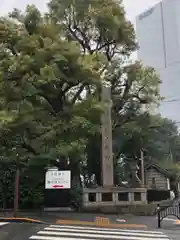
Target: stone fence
x,y
112,199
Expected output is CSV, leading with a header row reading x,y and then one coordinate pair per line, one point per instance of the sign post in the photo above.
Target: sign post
x,y
58,179
57,188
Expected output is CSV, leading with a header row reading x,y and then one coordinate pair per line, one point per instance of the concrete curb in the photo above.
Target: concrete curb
x,y
20,220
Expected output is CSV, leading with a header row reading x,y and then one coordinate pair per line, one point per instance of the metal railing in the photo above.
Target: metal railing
x,y
164,211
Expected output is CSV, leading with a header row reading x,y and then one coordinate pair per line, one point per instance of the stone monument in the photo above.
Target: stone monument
x,y
108,198
106,125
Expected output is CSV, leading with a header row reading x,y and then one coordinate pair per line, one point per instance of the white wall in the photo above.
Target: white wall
x,y
159,38
150,37
171,34
170,89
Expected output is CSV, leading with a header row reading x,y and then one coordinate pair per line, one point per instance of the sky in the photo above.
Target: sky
x,y
133,7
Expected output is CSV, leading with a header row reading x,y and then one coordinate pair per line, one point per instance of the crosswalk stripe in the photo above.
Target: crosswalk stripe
x,y
94,235
3,223
101,232
105,229
55,232
53,238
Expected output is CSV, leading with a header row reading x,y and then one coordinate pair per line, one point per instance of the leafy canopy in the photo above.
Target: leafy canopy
x,y
42,80
51,70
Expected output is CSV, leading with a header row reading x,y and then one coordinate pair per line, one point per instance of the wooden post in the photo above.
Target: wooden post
x,y
16,188
16,193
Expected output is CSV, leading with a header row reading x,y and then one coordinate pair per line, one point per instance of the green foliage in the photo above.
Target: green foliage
x,y
158,137
42,85
51,70
76,196
44,109
7,177
101,28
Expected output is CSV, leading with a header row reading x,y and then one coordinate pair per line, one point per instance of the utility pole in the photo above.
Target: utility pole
x,y
16,188
142,168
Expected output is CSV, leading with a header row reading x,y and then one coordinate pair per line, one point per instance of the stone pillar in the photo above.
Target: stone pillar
x,y
144,196
107,157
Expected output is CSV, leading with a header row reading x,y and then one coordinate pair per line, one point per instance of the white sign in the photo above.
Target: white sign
x,y
58,179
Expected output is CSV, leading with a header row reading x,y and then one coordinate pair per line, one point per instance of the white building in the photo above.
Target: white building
x,y
158,33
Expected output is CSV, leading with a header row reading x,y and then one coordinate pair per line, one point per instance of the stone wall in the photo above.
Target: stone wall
x,y
113,200
119,201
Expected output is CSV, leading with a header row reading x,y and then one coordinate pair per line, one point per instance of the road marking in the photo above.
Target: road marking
x,y
120,220
98,236
55,232
102,221
169,219
111,225
107,229
52,238
3,223
101,232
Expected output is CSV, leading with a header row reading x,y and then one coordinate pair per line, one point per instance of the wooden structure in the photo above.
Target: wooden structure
x,y
157,177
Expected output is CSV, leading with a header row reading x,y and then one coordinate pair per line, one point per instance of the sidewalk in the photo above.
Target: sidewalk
x,y
75,218
51,217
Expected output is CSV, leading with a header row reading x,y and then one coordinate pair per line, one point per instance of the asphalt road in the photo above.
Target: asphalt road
x,y
53,231
17,231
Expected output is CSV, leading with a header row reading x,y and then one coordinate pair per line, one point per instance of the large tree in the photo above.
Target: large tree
x,y
101,28
44,110
52,67
46,115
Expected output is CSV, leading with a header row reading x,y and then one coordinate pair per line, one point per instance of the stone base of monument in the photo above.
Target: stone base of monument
x,y
115,200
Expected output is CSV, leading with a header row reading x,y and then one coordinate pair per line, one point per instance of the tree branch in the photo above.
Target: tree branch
x,y
76,96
